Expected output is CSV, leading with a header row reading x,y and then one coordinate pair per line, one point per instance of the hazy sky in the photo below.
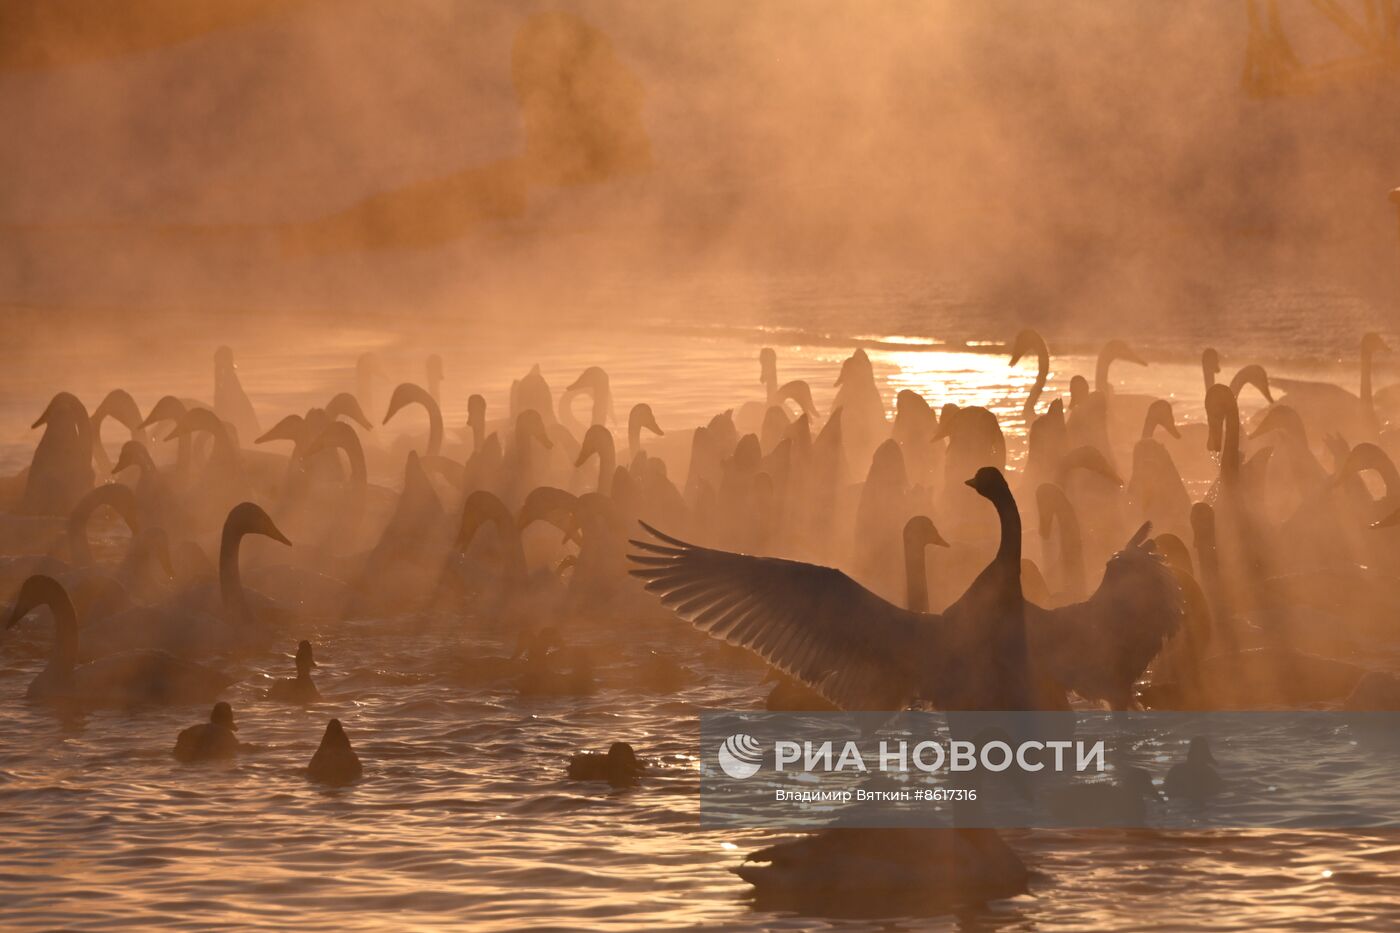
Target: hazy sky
x,y
1036,146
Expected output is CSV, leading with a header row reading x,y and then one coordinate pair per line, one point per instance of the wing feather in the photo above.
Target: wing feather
x,y
813,623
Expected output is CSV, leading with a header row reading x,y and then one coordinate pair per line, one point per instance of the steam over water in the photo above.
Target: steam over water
x,y
464,817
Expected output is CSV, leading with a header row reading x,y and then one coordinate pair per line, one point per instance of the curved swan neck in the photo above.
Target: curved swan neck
x,y
1009,551
230,578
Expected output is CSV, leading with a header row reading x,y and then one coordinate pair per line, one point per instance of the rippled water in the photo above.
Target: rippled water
x,y
463,818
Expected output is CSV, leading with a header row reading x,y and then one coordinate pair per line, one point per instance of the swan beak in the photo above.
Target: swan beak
x,y
1131,356
273,532
936,540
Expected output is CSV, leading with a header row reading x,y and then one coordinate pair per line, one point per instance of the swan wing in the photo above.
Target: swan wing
x,y
813,623
1099,648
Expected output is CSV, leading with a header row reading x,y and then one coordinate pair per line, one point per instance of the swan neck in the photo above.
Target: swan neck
x,y
1009,551
230,579
915,577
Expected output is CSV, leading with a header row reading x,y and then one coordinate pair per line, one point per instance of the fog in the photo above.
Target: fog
x,y
1069,156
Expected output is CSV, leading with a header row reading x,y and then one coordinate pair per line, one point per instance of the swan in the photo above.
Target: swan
x,y
230,401
300,689
1327,407
915,427
858,397
155,499
639,419
1155,489
61,468
1194,779
619,767
1029,341
124,679
120,499
598,442
408,393
209,741
335,761
802,619
117,404
594,381
919,534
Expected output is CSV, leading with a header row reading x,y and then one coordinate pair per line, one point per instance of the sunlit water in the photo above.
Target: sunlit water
x,y
464,817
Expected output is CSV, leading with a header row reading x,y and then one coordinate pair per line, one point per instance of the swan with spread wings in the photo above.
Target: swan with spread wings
x,y
989,650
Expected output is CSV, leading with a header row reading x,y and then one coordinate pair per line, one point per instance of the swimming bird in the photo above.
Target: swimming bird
x,y
1029,341
1324,406
335,761
117,404
619,767
798,618
209,741
123,679
1194,779
300,689
230,401
409,393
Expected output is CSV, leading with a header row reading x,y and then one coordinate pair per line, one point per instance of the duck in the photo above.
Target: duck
x,y
300,689
335,761
123,679
1194,780
209,741
619,767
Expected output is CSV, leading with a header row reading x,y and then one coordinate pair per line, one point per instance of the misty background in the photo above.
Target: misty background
x,y
1043,162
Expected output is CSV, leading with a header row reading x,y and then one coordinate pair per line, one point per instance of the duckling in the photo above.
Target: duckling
x,y
619,767
299,689
1195,779
335,762
209,741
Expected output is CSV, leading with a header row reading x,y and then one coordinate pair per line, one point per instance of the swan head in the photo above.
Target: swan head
x,y
1119,350
248,518
1090,459
1281,418
529,425
1252,375
345,405
481,507
1175,551
1026,342
855,368
1203,524
1159,415
405,394
592,379
290,428
642,419
1364,456
133,454
1210,361
767,366
597,441
64,405
1373,343
200,419
168,408
305,659
120,405
476,410
222,715
1078,390
920,531
989,483
223,358
548,504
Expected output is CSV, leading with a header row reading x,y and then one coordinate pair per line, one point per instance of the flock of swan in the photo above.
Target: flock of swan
x,y
1125,559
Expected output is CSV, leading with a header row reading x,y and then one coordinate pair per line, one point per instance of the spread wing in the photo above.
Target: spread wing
x,y
813,623
1100,647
